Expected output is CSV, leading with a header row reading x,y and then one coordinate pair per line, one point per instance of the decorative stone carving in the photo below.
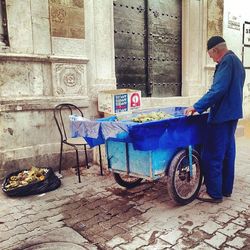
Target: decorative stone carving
x,y
67,18
69,79
215,18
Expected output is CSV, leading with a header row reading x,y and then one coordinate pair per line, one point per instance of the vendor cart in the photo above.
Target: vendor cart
x,y
151,149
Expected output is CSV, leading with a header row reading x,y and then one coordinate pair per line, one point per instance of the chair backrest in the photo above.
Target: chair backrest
x,y
61,115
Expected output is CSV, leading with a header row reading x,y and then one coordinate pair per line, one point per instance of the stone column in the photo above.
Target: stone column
x,y
194,22
103,46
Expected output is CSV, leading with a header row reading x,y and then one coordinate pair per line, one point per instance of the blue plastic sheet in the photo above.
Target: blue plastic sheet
x,y
177,131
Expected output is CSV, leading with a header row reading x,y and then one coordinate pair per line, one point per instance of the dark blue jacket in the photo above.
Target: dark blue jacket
x,y
225,96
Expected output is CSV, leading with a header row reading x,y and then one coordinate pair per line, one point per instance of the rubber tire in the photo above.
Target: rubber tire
x,y
126,184
171,177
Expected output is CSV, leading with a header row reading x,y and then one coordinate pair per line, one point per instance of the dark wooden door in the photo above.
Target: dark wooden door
x,y
148,46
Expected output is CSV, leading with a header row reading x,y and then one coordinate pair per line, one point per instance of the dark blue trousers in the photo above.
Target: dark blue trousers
x,y
218,158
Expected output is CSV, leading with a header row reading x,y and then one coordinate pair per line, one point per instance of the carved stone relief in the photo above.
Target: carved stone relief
x,y
215,18
67,18
69,79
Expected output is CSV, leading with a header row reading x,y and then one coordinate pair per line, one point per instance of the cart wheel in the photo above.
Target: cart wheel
x,y
126,180
182,187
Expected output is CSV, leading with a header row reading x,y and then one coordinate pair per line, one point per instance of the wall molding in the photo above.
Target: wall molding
x,y
40,103
42,58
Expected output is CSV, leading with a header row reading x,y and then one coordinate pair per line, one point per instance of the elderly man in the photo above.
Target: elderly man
x,y
224,99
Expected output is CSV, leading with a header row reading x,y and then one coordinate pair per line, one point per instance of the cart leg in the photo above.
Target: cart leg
x,y
190,160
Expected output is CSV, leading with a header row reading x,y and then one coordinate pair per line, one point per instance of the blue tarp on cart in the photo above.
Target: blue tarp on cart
x,y
174,132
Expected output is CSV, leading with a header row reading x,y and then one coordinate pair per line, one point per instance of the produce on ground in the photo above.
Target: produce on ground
x,y
26,177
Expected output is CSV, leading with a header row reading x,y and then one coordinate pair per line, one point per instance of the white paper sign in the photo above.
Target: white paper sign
x,y
247,33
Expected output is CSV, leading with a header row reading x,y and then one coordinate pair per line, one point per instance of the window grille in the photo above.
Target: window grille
x,y
4,38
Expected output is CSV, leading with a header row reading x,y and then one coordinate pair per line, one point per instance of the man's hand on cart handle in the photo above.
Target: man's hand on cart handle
x,y
189,111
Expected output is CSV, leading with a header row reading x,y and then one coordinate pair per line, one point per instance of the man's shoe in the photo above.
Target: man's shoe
x,y
207,198
227,195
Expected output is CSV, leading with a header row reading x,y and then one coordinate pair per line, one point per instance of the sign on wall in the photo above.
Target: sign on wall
x,y
246,33
233,21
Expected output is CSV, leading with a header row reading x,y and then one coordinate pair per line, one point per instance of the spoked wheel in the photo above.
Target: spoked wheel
x,y
183,184
126,180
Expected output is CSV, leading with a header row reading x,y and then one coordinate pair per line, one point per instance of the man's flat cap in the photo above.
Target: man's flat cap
x,y
213,41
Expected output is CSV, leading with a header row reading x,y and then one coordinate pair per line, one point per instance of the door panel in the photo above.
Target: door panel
x,y
148,46
129,44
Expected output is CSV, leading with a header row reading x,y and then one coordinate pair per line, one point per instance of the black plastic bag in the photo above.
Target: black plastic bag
x,y
50,182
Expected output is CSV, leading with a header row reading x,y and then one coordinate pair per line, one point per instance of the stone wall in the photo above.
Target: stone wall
x,y
62,51
235,14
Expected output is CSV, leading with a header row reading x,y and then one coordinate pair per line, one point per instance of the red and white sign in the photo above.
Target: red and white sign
x,y
135,100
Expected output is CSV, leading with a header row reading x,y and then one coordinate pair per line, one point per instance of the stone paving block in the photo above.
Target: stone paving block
x,y
246,231
55,218
22,221
79,210
217,240
231,229
89,246
237,242
172,236
210,227
183,244
129,222
55,225
25,237
150,236
29,212
240,221
95,204
134,244
127,236
133,215
3,227
15,231
113,231
61,202
115,241
6,218
43,213
9,244
145,206
110,223
203,246
117,248
24,206
7,210
35,224
188,226
247,212
223,218
232,213
159,244
198,236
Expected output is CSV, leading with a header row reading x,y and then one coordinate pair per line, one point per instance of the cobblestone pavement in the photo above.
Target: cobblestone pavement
x,y
99,214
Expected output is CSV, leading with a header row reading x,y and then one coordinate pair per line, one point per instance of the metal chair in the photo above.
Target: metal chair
x,y
61,115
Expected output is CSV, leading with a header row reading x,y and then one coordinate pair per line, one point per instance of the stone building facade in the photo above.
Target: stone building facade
x,y
63,51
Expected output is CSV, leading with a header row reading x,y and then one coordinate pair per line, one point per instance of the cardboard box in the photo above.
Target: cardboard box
x,y
119,100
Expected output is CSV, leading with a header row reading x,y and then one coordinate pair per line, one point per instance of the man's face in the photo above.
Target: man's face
x,y
214,54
